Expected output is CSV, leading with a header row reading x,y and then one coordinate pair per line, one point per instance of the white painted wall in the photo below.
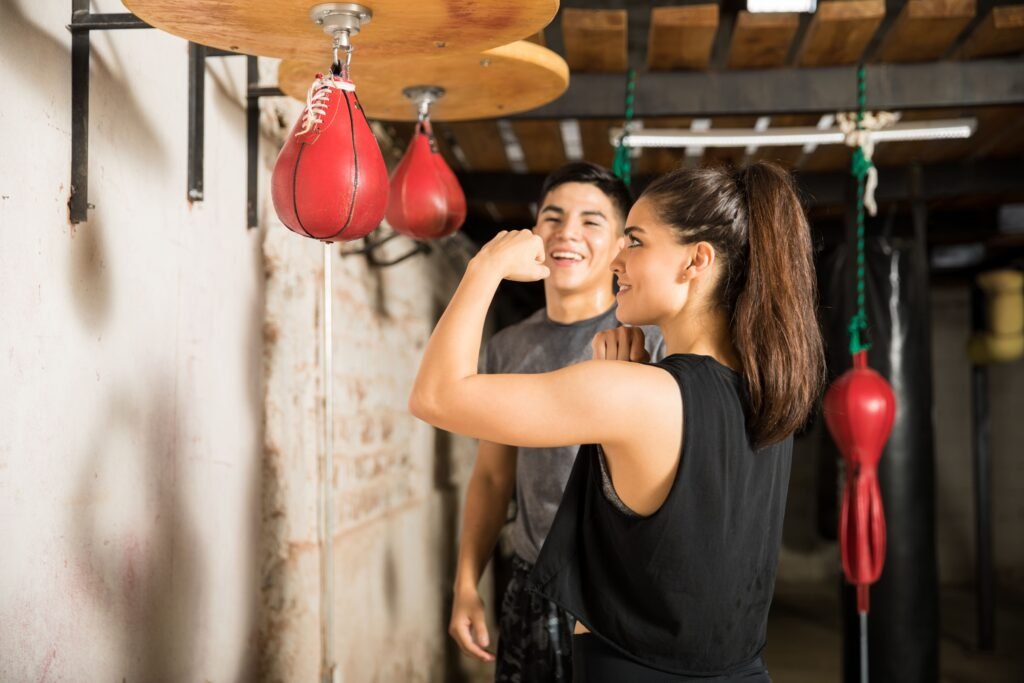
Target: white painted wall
x,y
131,401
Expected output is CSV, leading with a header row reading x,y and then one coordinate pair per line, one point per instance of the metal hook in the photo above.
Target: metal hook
x,y
370,247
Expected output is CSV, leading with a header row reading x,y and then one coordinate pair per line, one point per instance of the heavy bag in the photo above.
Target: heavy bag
x,y
903,637
330,182
426,201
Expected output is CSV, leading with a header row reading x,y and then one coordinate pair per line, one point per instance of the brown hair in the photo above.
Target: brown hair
x,y
753,219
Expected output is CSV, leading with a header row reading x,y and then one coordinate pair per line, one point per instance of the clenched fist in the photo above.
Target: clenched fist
x,y
517,255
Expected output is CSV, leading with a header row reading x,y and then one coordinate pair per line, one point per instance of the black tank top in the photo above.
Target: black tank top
x,y
686,589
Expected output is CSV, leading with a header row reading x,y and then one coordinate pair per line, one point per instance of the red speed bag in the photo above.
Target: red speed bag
x,y
426,201
330,182
859,410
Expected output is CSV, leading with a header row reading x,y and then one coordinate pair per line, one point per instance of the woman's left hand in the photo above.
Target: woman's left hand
x,y
517,255
620,343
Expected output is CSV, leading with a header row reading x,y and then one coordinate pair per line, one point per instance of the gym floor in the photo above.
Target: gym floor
x,y
805,637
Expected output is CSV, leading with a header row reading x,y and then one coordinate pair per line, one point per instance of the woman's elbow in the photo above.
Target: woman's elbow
x,y
418,404
424,404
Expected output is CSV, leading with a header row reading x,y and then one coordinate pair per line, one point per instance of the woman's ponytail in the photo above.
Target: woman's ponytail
x,y
774,319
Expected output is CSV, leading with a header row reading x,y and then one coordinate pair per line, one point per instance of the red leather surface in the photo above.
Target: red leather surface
x,y
330,182
426,201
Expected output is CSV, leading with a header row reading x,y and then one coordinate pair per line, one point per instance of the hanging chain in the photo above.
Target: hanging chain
x,y
859,167
623,164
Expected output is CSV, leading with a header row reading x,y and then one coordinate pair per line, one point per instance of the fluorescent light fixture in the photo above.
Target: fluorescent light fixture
x,y
824,123
781,5
760,126
952,129
697,126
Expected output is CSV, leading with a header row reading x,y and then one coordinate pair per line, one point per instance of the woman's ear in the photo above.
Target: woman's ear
x,y
701,258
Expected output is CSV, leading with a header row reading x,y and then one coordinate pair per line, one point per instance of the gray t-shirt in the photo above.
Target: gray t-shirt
x,y
535,345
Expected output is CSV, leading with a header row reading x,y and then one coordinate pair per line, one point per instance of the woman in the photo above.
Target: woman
x,y
666,541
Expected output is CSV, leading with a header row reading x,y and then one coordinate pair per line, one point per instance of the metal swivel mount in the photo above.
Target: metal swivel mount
x,y
341,21
423,96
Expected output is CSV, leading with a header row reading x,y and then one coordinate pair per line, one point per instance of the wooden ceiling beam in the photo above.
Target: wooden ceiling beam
x,y
840,32
481,145
541,141
761,41
925,29
681,37
595,40
1001,32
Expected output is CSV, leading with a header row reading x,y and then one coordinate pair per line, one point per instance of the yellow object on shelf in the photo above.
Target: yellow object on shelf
x,y
1003,339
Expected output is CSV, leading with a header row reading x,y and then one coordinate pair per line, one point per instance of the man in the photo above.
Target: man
x,y
581,219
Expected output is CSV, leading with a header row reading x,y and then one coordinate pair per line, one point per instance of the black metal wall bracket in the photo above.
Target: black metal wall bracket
x,y
82,23
197,55
372,245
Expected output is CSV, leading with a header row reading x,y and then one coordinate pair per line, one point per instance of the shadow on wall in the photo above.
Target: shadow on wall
x,y
89,275
255,362
136,541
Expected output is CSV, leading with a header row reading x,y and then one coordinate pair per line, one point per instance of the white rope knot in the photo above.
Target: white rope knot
x,y
318,98
861,137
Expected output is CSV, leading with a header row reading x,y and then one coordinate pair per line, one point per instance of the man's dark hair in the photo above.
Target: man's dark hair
x,y
591,174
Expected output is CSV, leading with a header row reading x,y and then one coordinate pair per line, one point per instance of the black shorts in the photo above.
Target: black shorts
x,y
535,636
595,661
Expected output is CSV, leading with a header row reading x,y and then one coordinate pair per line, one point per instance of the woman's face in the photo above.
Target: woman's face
x,y
653,269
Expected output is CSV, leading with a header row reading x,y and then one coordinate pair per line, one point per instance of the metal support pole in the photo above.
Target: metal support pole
x,y
982,431
196,121
326,478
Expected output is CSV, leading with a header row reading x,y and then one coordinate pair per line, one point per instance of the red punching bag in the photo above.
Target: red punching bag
x,y
859,409
330,182
426,201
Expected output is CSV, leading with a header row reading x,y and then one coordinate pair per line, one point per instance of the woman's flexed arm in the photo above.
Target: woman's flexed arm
x,y
599,402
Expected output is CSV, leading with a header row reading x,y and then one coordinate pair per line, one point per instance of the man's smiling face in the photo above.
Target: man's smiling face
x,y
580,227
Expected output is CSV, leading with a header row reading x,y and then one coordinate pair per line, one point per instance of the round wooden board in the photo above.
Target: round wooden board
x,y
499,82
284,29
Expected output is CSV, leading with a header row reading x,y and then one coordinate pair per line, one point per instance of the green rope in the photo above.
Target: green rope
x,y
859,167
623,165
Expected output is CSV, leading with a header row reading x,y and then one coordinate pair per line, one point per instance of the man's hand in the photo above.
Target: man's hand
x,y
468,625
620,343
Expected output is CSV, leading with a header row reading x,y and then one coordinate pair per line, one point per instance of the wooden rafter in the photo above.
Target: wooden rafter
x,y
595,40
762,40
840,31
999,33
481,145
925,29
542,145
681,37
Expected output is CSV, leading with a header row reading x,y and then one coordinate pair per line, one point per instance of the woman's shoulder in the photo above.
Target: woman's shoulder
x,y
696,362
